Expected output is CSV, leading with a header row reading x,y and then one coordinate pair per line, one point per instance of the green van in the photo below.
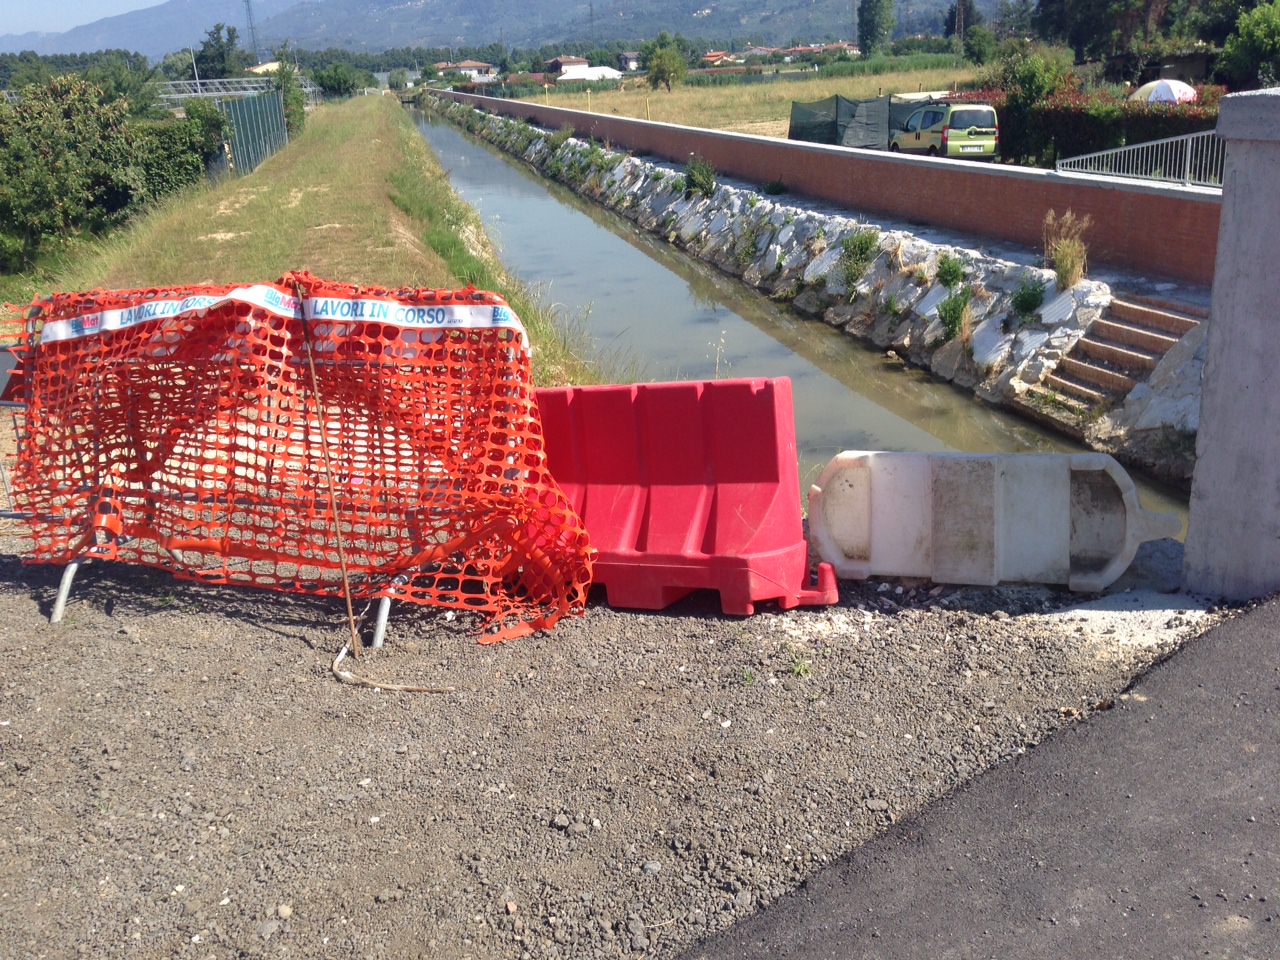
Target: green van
x,y
966,131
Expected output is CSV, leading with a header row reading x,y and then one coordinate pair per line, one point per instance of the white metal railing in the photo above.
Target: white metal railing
x,y
177,91
1196,159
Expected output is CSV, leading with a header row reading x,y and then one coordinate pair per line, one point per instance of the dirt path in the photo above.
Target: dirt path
x,y
180,776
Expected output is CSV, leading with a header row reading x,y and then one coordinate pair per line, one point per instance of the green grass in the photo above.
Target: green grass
x,y
357,197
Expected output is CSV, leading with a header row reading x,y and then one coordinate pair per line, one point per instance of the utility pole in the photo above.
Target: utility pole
x,y
194,69
253,30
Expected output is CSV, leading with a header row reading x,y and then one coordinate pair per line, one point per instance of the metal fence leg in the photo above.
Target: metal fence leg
x,y
380,626
384,611
64,590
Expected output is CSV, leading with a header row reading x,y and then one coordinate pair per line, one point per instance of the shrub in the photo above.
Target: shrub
x,y
700,176
1028,298
1064,247
857,252
167,156
956,315
774,187
64,162
950,271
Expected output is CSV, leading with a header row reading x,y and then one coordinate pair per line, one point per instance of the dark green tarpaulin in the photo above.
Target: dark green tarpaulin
x,y
850,123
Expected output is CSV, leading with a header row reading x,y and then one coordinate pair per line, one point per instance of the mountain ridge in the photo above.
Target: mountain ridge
x,y
373,25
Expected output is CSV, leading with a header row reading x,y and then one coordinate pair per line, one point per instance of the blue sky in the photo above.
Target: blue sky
x,y
21,16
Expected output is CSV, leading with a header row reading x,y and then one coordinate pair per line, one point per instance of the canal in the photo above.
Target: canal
x,y
649,310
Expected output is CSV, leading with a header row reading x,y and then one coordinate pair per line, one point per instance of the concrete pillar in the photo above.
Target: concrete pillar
x,y
1233,538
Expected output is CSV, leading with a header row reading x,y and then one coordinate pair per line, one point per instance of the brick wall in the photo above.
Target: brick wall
x,y
1162,230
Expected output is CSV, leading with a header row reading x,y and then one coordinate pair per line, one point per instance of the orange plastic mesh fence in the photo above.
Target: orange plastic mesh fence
x,y
179,429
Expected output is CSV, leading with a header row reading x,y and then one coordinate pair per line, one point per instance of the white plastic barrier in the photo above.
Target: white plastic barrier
x,y
981,519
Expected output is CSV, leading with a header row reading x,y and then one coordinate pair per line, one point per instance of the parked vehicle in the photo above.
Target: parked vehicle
x,y
968,131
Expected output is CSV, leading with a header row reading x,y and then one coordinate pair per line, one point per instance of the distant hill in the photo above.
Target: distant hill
x,y
153,31
379,24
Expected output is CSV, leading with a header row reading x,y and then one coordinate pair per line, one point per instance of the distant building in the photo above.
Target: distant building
x,y
629,61
588,75
263,69
472,69
562,63
718,58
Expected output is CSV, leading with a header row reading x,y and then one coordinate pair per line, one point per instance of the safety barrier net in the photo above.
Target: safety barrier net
x,y
182,429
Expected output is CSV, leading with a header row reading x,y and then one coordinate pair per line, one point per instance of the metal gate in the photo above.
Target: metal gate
x,y
257,129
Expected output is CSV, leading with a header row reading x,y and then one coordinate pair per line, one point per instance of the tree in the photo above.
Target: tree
x,y
398,79
875,25
1213,21
176,66
961,15
338,80
286,81
980,45
220,55
1251,57
1014,18
121,79
666,67
63,158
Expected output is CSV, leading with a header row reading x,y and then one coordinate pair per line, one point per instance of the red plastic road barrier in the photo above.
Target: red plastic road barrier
x,y
686,486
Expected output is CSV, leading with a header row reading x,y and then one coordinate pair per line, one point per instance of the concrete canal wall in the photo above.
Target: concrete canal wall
x,y
1156,229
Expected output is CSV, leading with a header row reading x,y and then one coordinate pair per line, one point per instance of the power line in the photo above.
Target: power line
x,y
253,30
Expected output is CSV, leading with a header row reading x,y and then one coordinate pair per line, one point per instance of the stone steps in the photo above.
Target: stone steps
x,y
1103,379
1128,335
1126,358
1071,387
1121,348
1152,318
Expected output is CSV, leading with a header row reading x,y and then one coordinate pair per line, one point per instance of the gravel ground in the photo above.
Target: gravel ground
x,y
181,776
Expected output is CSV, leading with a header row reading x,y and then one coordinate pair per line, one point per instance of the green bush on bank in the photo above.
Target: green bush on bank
x,y
72,160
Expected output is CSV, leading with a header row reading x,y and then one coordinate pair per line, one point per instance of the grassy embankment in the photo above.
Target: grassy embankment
x,y
357,197
762,108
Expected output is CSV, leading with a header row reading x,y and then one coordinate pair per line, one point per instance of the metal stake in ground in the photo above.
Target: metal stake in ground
x,y
328,475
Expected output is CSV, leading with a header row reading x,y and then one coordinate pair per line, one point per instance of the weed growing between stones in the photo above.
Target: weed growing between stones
x,y
700,176
745,250
950,271
1028,298
857,252
956,314
557,140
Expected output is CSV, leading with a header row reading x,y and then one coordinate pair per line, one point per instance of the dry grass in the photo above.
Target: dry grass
x,y
761,108
1064,247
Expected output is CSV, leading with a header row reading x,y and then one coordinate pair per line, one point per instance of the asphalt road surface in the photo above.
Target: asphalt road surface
x,y
1153,830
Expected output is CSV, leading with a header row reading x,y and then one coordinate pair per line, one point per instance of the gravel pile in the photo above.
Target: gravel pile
x,y
180,775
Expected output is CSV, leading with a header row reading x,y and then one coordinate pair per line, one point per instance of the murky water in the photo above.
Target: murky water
x,y
669,317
